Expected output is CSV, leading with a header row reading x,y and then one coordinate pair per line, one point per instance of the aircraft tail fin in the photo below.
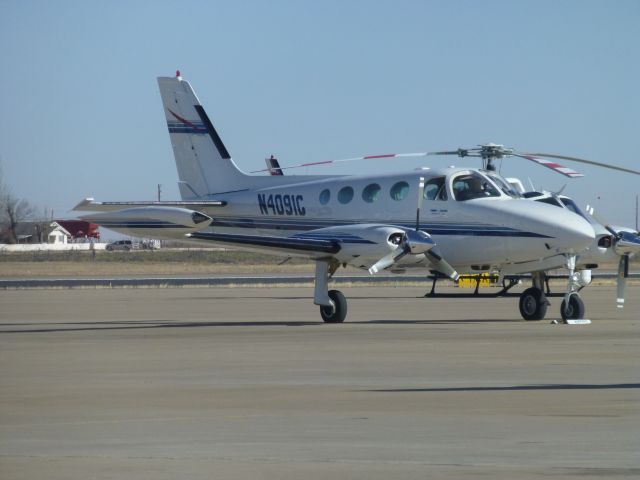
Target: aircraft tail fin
x,y
204,165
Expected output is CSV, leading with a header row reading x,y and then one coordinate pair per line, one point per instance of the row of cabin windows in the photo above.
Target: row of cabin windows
x,y
434,190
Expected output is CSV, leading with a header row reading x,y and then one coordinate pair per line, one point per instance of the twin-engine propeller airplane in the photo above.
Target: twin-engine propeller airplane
x,y
449,221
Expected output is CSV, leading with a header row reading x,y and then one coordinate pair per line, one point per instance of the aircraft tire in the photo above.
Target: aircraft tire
x,y
532,304
576,308
336,313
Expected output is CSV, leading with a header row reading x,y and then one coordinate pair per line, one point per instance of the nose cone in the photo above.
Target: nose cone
x,y
558,230
573,233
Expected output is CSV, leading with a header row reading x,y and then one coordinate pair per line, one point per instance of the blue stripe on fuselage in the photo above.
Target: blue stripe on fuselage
x,y
453,229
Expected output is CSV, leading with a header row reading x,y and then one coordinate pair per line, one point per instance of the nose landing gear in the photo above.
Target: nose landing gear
x,y
572,307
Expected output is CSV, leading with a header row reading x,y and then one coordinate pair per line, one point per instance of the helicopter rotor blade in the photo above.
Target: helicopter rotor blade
x,y
581,160
353,159
566,171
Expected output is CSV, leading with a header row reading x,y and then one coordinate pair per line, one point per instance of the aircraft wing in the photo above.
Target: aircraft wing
x,y
310,247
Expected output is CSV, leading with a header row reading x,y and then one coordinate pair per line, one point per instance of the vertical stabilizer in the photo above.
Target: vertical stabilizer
x,y
203,162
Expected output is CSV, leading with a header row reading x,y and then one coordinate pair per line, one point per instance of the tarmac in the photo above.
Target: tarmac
x,y
242,383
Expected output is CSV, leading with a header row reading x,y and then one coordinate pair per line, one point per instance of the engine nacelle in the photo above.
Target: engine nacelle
x,y
363,245
156,222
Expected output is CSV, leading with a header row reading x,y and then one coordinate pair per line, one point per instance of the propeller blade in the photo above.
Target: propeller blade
x,y
420,195
385,262
623,273
591,211
441,265
579,160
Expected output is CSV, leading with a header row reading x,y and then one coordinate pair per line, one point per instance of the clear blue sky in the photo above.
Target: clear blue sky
x,y
316,80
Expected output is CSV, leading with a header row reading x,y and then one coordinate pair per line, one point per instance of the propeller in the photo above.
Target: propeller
x,y
625,244
416,242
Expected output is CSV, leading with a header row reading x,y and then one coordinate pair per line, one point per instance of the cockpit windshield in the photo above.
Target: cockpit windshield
x,y
505,186
571,205
565,202
473,185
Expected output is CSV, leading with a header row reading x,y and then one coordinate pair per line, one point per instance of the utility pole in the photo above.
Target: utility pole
x,y
637,213
159,191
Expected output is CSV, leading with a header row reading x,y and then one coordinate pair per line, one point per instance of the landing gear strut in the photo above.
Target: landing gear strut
x,y
572,306
333,304
533,302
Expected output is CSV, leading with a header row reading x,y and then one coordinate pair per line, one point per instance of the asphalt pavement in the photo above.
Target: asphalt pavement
x,y
238,383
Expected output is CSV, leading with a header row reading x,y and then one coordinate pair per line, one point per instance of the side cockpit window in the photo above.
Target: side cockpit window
x,y
473,185
435,189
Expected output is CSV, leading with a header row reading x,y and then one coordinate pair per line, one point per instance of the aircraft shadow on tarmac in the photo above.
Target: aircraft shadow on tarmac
x,y
155,324
553,386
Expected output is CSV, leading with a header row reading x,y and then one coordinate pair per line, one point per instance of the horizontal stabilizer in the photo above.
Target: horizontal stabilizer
x,y
90,205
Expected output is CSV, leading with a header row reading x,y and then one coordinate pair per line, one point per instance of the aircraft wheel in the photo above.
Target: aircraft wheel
x,y
338,311
532,304
575,310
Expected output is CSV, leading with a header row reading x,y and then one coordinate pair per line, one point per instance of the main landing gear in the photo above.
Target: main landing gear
x,y
534,303
333,304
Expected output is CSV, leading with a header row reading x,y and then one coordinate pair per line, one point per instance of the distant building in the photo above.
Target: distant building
x,y
57,232
79,230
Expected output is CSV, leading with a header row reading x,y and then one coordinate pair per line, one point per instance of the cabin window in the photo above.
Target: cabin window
x,y
399,191
473,185
503,185
345,195
325,196
435,190
371,193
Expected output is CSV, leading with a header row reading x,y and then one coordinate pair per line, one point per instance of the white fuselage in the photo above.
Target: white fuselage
x,y
474,235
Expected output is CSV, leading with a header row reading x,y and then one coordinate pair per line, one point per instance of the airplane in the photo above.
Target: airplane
x,y
445,220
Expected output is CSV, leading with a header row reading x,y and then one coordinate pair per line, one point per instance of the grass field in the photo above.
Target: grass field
x,y
158,263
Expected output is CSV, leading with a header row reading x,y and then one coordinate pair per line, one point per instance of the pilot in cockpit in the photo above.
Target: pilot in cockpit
x,y
472,186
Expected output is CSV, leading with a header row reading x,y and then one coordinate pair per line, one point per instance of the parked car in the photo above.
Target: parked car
x,y
125,245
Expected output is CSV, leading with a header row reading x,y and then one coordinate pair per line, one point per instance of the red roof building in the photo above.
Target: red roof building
x,y
80,229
